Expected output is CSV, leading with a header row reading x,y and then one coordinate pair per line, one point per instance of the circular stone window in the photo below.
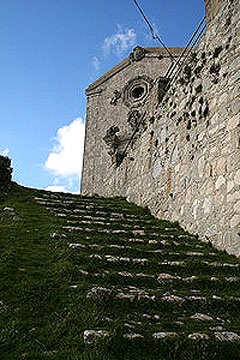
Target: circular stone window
x,y
137,90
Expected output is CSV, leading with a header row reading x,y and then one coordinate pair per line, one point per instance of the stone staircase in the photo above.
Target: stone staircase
x,y
146,278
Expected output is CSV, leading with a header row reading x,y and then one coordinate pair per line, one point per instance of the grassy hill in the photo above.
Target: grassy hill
x,y
93,278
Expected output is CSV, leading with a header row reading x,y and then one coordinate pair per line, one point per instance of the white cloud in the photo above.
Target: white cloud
x,y
96,63
65,159
5,152
66,156
56,188
119,42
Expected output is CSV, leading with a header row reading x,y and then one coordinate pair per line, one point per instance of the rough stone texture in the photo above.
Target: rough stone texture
x,y
227,336
91,336
197,336
184,165
212,8
99,293
201,317
173,293
163,335
112,113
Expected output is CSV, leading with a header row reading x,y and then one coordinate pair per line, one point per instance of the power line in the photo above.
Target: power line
x,y
155,36
198,32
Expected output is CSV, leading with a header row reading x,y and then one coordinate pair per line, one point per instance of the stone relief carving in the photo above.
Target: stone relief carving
x,y
134,94
116,96
118,143
136,121
112,140
137,54
133,118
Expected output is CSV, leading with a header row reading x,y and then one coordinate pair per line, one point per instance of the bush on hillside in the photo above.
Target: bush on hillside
x,y
5,176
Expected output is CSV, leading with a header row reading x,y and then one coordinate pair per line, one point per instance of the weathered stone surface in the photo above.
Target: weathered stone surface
x,y
227,336
185,163
8,209
235,221
237,177
202,317
77,246
233,122
57,236
99,293
165,296
220,182
173,299
133,336
197,336
162,335
167,277
91,336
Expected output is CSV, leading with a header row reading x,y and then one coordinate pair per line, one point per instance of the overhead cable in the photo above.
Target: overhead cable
x,y
155,36
193,38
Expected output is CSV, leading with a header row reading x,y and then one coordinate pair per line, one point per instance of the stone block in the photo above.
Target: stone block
x,y
237,178
220,182
207,206
201,166
221,166
230,186
235,106
233,197
235,221
236,207
219,198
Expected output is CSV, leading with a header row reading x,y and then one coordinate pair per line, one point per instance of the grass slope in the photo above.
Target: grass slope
x,y
70,264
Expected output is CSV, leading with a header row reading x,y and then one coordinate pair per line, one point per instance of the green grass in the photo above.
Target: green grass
x,y
43,284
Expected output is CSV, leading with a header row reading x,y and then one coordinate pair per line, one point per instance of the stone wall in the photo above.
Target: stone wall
x,y
185,166
212,8
111,107
188,164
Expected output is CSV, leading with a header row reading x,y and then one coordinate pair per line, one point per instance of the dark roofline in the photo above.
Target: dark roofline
x,y
149,51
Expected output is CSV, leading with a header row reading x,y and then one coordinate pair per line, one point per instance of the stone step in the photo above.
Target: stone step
x,y
148,251
151,277
105,205
168,278
178,297
91,336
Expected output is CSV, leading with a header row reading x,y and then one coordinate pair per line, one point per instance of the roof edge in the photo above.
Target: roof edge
x,y
138,54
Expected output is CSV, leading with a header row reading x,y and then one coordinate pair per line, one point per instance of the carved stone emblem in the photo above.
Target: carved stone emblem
x,y
138,53
116,96
137,122
116,144
112,140
133,118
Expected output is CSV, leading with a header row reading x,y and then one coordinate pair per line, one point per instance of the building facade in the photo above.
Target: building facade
x,y
176,152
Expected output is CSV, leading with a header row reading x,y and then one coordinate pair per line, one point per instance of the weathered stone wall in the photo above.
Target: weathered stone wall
x,y
110,104
188,162
185,165
212,8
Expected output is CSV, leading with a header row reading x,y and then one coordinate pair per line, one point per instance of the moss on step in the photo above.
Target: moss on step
x,y
47,272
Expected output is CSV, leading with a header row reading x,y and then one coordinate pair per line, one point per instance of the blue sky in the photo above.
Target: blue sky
x,y
50,51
